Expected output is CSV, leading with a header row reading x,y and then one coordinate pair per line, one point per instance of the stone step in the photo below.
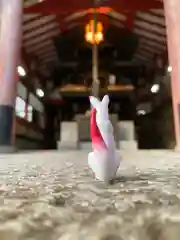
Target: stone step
x,y
128,145
69,136
67,145
86,145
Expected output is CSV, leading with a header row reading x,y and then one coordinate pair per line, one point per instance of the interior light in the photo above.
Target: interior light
x,y
141,112
40,93
21,71
99,37
169,69
89,37
155,88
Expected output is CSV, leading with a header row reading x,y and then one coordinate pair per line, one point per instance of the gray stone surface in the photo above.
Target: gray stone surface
x,y
68,136
126,130
128,145
53,196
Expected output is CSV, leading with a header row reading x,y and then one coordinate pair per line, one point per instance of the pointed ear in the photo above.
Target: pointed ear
x,y
94,102
105,100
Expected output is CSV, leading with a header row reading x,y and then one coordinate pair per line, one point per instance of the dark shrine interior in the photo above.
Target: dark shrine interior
x,y
114,53
134,50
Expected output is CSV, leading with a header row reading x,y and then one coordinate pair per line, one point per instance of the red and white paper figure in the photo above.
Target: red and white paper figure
x,y
104,160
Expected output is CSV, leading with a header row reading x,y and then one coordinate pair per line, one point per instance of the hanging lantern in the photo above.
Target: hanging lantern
x,y
99,27
91,36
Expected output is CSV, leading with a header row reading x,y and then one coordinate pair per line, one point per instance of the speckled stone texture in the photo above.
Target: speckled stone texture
x,y
53,196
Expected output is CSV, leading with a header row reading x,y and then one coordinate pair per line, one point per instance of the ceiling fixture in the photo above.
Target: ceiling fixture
x,y
155,88
21,71
141,112
39,93
112,79
91,35
169,69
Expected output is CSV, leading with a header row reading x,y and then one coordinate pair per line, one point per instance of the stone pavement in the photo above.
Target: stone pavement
x,y
52,196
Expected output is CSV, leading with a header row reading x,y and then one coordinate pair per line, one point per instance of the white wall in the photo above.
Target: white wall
x,y
36,103
21,91
33,100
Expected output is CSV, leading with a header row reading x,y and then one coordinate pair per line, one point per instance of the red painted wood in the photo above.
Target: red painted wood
x,y
172,16
56,6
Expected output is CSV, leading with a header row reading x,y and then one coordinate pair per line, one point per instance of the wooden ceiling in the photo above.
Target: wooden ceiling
x,y
44,20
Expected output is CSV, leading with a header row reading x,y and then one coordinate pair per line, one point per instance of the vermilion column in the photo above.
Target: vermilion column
x,y
10,40
172,16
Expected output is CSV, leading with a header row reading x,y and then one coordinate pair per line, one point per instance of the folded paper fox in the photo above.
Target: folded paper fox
x,y
104,160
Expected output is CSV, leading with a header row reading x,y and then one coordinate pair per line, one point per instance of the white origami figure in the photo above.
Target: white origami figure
x,y
104,160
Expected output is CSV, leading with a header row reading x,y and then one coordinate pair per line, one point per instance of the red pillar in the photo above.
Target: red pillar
x,y
172,16
10,40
